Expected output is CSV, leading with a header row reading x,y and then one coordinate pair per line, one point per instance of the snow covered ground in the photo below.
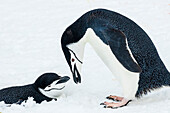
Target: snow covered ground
x,y
30,33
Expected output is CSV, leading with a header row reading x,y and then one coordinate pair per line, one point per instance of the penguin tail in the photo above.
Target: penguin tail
x,y
167,80
147,85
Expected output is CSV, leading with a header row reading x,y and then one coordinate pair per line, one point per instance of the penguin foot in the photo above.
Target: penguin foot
x,y
19,101
115,105
114,98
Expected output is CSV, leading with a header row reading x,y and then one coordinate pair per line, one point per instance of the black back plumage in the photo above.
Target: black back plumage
x,y
154,73
21,93
18,94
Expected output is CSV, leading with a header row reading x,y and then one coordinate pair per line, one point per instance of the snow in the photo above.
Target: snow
x,y
30,33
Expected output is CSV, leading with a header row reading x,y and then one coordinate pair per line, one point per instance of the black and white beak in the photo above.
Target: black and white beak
x,y
76,75
63,80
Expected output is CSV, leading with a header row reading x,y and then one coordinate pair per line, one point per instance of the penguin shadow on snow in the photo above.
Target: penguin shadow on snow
x,y
47,87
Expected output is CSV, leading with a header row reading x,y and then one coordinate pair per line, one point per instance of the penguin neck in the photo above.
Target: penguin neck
x,y
100,47
38,91
78,49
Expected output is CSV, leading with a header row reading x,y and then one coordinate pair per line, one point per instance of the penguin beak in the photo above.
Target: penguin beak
x,y
63,79
76,75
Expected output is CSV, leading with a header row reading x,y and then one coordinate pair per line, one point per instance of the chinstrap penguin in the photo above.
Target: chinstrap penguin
x,y
47,87
123,46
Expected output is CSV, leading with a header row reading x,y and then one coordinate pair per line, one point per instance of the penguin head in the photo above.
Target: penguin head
x,y
73,51
75,66
50,84
74,63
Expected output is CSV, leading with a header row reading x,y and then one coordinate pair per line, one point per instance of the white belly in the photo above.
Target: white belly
x,y
129,80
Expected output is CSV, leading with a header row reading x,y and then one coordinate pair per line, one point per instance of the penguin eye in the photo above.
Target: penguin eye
x,y
72,59
49,86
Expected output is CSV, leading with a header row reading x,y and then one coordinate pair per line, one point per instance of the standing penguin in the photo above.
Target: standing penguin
x,y
47,87
123,46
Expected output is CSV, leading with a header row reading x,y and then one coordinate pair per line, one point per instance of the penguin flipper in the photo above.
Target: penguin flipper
x,y
117,43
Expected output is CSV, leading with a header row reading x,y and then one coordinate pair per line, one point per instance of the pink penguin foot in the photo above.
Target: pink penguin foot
x,y
121,102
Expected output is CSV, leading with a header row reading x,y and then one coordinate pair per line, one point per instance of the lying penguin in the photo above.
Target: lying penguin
x,y
123,46
47,87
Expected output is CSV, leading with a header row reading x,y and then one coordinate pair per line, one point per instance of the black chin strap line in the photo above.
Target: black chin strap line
x,y
75,56
55,89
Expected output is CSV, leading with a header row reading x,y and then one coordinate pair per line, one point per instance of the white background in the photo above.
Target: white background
x,y
30,34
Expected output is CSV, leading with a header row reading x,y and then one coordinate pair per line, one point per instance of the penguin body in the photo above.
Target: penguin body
x,y
104,52
123,46
18,94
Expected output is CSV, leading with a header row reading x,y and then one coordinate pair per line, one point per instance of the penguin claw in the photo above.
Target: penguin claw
x,y
102,104
110,98
116,105
105,106
110,107
114,98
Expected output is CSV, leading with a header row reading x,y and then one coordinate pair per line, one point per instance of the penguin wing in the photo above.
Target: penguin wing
x,y
117,42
